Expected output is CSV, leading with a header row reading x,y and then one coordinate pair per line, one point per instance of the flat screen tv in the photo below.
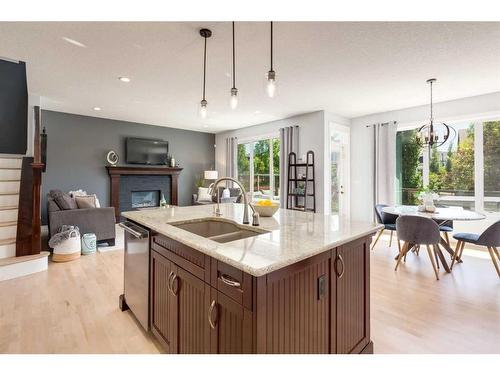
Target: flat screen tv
x,y
147,151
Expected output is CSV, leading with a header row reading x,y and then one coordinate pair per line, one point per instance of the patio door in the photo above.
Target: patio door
x,y
339,170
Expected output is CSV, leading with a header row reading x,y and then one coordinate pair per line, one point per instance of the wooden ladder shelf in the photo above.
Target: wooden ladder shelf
x,y
301,189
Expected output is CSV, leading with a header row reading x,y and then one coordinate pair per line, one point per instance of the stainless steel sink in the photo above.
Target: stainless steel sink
x,y
219,231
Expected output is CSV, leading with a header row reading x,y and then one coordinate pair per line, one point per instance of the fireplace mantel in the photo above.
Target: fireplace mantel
x,y
116,172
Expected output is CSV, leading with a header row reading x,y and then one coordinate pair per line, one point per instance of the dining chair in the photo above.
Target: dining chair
x,y
389,222
415,231
489,238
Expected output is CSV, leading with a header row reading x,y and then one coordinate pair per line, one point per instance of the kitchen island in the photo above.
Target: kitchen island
x,y
298,283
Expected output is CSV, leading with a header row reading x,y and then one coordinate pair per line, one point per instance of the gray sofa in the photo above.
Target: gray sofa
x,y
100,221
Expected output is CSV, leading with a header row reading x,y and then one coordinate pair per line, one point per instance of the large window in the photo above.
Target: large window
x,y
258,168
465,171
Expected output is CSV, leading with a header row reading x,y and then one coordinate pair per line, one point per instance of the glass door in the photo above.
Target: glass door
x,y
339,170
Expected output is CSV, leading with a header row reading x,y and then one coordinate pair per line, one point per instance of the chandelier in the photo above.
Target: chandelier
x,y
428,134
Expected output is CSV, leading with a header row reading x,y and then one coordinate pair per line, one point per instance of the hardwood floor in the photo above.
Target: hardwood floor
x,y
73,307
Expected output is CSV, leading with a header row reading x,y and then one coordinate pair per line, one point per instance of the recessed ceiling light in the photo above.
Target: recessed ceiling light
x,y
124,79
74,42
97,108
257,112
205,126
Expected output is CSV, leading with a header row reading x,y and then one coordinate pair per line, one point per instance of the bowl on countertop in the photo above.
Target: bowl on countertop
x,y
267,210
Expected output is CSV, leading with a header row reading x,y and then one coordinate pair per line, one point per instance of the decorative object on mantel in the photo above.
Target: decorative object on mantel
x,y
172,162
112,158
163,201
427,196
427,134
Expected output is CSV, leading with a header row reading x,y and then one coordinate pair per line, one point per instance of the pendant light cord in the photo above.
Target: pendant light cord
x,y
234,76
204,66
271,45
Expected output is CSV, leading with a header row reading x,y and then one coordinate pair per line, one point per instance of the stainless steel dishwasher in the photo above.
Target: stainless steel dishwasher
x,y
136,272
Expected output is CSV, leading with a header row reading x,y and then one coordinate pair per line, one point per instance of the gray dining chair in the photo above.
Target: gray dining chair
x,y
389,222
489,238
417,230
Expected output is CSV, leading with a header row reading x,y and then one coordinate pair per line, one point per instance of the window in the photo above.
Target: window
x,y
465,171
491,168
258,168
451,168
409,167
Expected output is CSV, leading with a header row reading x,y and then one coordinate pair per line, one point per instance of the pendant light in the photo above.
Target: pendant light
x,y
234,91
271,74
205,33
427,134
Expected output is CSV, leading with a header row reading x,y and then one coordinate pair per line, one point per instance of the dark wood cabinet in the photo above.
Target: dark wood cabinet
x,y
351,299
318,305
163,303
231,325
193,301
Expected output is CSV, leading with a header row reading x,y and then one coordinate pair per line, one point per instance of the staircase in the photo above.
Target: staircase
x,y
10,265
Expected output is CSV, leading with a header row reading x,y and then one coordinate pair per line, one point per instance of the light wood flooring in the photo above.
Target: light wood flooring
x,y
73,307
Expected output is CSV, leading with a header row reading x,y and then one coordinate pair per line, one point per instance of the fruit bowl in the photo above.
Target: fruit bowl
x,y
266,208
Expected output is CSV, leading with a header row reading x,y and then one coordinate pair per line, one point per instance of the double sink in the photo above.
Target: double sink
x,y
218,230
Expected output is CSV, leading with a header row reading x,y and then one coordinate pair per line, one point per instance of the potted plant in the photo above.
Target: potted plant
x,y
427,196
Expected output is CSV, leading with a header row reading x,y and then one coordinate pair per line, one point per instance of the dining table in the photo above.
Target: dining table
x,y
443,216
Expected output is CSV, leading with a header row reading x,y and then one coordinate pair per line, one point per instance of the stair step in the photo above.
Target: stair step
x,y
8,208
10,173
9,192
7,241
13,267
9,162
8,223
7,251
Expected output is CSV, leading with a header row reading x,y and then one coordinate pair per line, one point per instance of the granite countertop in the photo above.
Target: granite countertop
x,y
292,235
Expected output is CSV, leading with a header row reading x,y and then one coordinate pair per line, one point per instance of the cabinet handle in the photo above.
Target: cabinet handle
x,y
210,311
172,285
339,257
169,283
226,280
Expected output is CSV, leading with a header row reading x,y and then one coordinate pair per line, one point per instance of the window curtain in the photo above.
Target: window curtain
x,y
384,140
231,157
289,142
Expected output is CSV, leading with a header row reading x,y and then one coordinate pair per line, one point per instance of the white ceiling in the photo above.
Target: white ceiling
x,y
348,68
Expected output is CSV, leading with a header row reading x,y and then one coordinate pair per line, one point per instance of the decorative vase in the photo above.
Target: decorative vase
x,y
163,202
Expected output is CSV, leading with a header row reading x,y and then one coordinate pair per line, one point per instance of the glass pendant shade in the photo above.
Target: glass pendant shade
x,y
233,101
203,109
271,83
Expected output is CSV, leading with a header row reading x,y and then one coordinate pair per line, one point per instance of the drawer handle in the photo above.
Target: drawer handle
x,y
169,283
339,257
210,311
227,280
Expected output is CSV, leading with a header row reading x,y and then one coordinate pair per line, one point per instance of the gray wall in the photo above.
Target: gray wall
x,y
77,147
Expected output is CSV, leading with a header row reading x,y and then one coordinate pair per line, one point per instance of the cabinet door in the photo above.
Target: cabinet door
x,y
163,302
351,265
193,303
230,325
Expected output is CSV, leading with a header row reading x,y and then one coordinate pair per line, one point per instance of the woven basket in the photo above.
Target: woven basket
x,y
69,249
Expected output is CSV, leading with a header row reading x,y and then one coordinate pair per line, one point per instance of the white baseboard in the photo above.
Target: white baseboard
x,y
18,269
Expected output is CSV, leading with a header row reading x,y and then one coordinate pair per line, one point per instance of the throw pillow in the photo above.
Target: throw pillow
x,y
85,201
81,192
203,195
63,200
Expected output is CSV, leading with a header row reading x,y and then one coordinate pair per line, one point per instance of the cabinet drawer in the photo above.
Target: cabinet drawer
x,y
233,282
189,259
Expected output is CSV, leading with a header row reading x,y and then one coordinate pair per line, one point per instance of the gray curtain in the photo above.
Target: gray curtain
x,y
289,142
384,177
231,157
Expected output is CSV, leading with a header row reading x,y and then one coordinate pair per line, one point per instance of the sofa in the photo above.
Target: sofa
x,y
100,221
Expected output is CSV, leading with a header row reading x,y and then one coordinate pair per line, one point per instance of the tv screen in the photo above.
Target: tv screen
x,y
147,151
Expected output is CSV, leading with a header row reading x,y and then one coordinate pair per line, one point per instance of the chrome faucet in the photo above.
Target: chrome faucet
x,y
255,216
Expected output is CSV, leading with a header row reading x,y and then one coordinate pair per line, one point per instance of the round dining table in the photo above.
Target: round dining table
x,y
442,216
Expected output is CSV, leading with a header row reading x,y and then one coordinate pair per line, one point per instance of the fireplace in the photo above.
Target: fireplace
x,y
133,188
148,198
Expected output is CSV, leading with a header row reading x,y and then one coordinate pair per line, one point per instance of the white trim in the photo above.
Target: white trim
x,y
14,270
478,167
260,137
